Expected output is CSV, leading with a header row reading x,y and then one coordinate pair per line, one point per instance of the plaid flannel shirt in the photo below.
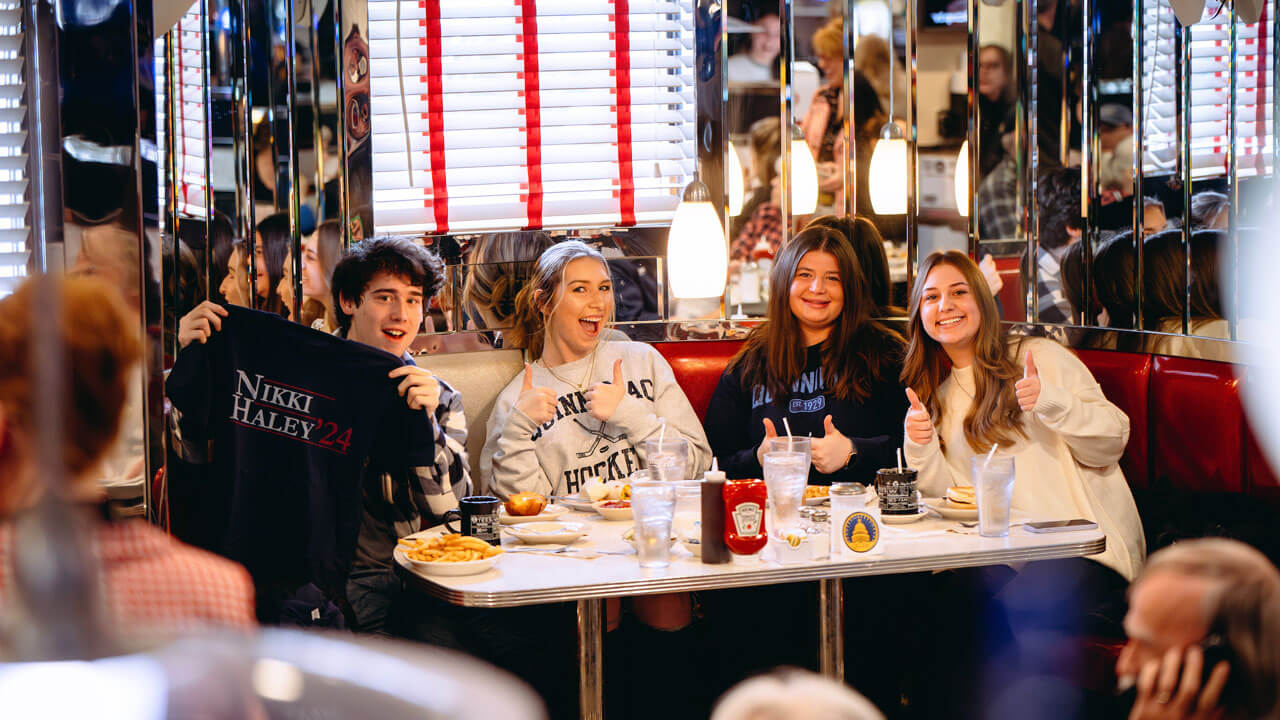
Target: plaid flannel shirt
x,y
998,202
1052,306
152,582
765,224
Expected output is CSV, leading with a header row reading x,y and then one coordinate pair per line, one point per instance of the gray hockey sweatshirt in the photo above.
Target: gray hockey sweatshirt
x,y
574,446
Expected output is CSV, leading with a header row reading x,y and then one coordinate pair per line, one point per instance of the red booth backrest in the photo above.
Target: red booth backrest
x,y
1125,380
1186,423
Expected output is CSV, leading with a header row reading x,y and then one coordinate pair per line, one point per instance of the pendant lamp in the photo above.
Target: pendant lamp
x,y
804,175
697,258
887,176
962,180
736,182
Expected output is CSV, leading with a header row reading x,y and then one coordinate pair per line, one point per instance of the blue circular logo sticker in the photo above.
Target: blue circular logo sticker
x,y
861,532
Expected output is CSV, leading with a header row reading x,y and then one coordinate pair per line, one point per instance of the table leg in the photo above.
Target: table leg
x,y
831,628
591,659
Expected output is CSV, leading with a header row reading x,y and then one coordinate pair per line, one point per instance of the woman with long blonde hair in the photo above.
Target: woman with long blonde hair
x,y
972,388
582,408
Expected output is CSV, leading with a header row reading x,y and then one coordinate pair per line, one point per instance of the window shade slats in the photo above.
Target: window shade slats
x,y
14,171
491,115
513,63
514,118
502,138
1210,96
481,9
497,175
188,108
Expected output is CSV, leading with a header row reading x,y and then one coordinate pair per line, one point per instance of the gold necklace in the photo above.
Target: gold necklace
x,y
585,378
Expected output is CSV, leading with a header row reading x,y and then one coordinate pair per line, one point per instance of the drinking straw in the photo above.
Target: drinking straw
x,y
662,431
990,455
787,425
899,460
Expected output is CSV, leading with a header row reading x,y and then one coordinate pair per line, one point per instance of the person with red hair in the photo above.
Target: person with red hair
x,y
150,581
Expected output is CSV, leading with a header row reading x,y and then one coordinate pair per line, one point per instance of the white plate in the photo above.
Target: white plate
x,y
550,512
577,504
613,514
469,567
904,519
544,533
951,512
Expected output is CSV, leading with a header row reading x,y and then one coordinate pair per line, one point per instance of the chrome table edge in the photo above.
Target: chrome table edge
x,y
766,575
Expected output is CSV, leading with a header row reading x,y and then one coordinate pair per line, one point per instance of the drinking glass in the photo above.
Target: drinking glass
x,y
993,484
786,443
668,456
688,511
785,475
653,505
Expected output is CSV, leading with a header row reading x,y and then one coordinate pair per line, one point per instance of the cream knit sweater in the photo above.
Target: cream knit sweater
x,y
1065,468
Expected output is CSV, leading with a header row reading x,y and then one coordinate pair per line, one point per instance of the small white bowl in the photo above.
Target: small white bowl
x,y
545,533
692,545
613,514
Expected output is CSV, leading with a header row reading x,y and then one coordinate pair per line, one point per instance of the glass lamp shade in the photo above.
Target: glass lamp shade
x,y
697,259
736,182
804,178
888,176
962,180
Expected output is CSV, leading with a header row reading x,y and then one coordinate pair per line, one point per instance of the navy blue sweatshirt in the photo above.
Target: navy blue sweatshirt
x,y
295,418
735,421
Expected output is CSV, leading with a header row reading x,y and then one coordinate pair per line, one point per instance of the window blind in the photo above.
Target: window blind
x,y
188,108
505,114
14,230
1210,92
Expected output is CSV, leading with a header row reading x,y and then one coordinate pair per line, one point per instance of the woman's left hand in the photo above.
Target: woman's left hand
x,y
1028,388
603,398
831,450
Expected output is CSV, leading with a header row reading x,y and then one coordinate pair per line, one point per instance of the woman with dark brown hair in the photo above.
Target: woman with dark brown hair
x,y
868,245
820,362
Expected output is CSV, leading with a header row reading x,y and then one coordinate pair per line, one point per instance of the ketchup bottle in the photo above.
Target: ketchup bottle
x,y
744,530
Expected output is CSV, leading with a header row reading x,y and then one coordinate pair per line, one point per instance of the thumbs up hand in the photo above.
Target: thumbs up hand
x,y
919,425
1028,388
539,403
769,434
832,451
603,398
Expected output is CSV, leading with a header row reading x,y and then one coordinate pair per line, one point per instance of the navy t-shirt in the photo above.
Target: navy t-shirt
x,y
735,421
294,417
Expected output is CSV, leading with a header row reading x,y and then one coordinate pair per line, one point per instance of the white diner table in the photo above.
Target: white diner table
x,y
529,578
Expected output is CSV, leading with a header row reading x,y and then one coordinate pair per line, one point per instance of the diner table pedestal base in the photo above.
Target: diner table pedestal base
x,y
591,658
831,628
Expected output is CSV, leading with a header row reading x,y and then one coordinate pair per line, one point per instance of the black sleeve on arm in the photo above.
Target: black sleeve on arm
x,y
728,428
888,404
189,387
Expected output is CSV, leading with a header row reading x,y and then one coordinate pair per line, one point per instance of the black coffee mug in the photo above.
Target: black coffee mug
x,y
479,514
897,491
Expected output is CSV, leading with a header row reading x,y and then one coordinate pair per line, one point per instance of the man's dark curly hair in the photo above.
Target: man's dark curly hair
x,y
397,256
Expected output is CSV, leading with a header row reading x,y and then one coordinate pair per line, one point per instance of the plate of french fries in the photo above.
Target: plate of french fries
x,y
450,554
